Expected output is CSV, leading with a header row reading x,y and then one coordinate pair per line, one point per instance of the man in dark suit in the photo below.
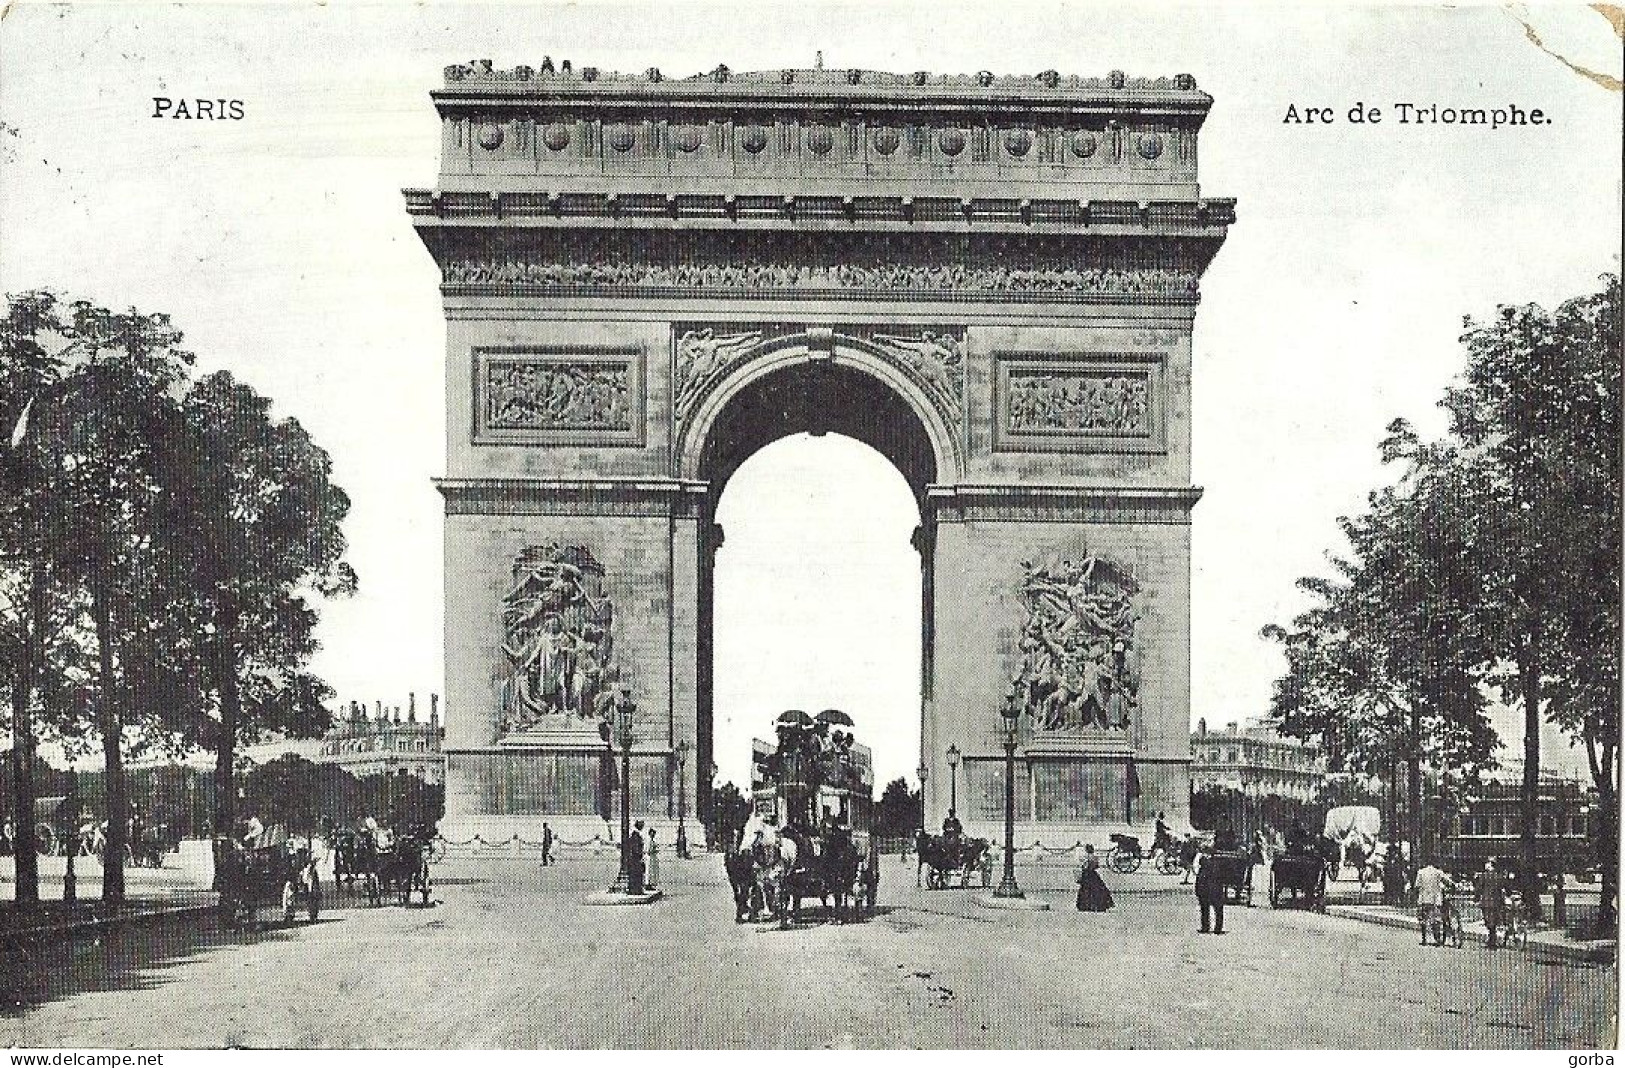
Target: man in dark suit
x,y
1210,896
1492,895
632,857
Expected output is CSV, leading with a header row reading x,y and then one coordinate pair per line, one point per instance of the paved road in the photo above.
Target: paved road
x,y
508,956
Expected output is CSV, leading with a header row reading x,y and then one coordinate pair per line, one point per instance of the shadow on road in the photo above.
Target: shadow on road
x,y
134,956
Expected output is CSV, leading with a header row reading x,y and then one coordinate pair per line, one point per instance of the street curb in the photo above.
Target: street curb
x,y
1030,904
29,934
1599,952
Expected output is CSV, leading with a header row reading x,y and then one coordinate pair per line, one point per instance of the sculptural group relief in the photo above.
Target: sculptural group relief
x,y
557,637
1079,668
556,394
1079,402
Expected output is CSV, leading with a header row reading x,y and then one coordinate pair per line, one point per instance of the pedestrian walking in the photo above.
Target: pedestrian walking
x,y
1093,896
547,845
652,877
1209,896
1431,886
1492,888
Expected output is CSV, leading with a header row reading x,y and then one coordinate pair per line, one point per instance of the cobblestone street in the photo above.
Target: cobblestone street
x,y
508,956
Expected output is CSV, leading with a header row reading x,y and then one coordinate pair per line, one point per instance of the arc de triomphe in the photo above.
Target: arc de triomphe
x,y
991,280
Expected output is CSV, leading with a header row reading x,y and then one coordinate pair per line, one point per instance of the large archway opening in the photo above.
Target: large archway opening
x,y
817,600
813,593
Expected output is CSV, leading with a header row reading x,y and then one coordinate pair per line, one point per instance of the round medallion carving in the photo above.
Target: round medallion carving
x,y
1017,142
952,142
490,136
1084,144
686,138
753,140
820,139
556,136
620,138
886,141
1149,145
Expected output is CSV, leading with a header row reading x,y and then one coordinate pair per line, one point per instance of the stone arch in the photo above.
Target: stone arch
x,y
815,357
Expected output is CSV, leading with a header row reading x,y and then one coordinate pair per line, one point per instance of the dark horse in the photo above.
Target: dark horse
x,y
747,890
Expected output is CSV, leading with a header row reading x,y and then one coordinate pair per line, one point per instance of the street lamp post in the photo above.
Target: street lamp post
x,y
953,778
682,800
924,773
624,708
1012,720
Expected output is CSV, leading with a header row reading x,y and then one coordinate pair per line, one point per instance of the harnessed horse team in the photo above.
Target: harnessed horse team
x,y
773,869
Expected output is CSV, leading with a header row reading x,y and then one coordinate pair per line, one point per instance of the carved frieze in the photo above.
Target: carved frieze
x,y
557,637
1079,670
1088,402
769,279
564,397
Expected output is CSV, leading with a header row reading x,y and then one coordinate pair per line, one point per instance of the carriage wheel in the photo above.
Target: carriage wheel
x,y
936,880
1168,864
1122,862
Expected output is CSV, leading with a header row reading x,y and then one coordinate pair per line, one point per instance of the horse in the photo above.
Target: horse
x,y
747,891
403,868
840,864
774,860
355,856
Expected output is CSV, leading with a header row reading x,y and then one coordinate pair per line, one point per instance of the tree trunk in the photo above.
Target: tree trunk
x,y
111,724
26,846
224,666
1529,681
1413,795
25,675
1600,754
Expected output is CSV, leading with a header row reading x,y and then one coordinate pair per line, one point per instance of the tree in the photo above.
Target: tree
x,y
97,405
897,813
1534,444
1384,668
263,541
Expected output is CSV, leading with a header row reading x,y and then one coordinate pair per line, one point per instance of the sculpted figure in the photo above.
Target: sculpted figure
x,y
557,622
1077,647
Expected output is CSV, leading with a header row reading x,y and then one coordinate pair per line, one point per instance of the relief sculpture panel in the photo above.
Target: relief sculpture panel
x,y
1079,667
564,398
1110,403
557,637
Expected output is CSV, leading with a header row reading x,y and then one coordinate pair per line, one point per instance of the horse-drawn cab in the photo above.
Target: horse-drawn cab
x,y
943,857
1300,870
1126,855
253,878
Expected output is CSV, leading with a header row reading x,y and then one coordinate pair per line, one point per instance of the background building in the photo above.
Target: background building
x,y
387,742
1254,759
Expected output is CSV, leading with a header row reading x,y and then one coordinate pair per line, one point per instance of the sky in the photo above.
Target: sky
x,y
279,243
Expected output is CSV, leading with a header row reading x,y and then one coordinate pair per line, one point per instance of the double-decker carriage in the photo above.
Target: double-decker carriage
x,y
281,876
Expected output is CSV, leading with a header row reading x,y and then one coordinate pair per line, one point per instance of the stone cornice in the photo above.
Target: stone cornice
x,y
1203,218
653,497
1048,504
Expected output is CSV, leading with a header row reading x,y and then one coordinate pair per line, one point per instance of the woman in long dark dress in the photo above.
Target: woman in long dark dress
x,y
1092,893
